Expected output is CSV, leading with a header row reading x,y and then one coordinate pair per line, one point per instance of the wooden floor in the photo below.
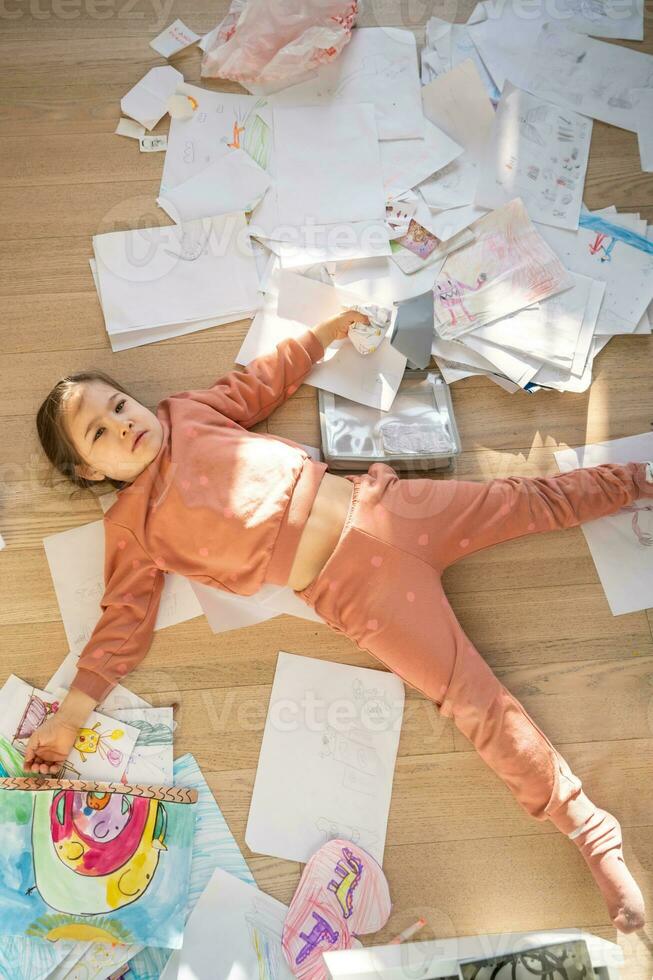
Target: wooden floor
x,y
459,851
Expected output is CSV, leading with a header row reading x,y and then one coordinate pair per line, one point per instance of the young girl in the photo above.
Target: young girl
x,y
201,495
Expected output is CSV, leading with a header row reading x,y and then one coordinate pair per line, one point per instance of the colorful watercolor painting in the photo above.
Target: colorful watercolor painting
x,y
106,862
507,267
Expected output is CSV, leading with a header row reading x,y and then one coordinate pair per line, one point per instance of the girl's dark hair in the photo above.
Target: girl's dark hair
x,y
55,439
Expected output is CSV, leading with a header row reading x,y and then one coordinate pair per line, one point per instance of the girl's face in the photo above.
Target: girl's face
x,y
115,435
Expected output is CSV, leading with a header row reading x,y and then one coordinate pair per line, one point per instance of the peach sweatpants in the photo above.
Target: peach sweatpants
x,y
382,587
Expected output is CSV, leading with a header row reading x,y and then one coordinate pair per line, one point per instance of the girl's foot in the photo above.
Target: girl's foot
x,y
599,841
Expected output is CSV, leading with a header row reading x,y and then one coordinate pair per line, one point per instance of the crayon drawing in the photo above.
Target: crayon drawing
x,y
94,861
507,267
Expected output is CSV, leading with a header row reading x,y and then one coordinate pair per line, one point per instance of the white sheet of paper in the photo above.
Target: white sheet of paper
x,y
537,152
579,73
146,101
645,131
233,182
607,18
226,612
76,560
327,164
561,380
624,563
222,121
151,758
2,543
127,127
372,380
381,282
458,104
552,330
378,65
626,270
331,243
234,932
119,697
447,222
406,164
174,38
102,749
320,776
157,277
447,45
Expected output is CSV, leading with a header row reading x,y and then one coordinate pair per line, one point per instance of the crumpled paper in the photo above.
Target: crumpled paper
x,y
367,337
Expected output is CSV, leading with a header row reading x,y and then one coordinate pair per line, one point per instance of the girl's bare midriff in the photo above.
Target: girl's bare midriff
x,y
322,530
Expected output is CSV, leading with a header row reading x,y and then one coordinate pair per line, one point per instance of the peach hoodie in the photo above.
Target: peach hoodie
x,y
218,504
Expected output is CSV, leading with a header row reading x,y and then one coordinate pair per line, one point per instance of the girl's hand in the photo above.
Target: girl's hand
x,y
338,326
49,746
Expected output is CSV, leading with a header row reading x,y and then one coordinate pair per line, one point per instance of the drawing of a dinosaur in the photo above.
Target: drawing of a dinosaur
x,y
320,931
350,870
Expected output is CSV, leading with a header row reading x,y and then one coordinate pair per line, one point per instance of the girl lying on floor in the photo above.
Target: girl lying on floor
x,y
201,495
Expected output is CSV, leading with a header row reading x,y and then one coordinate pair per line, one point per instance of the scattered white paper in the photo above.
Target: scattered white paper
x,y
552,330
234,932
232,183
458,104
406,164
645,130
174,39
381,282
222,121
315,244
516,367
621,545
127,127
576,72
119,696
327,164
447,222
76,561
538,152
102,748
196,270
146,101
327,758
2,543
604,250
447,45
372,380
378,65
606,18
151,758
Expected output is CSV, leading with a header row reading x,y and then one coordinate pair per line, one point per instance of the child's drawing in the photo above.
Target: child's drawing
x,y
322,932
451,294
333,829
598,246
348,873
95,862
101,750
507,267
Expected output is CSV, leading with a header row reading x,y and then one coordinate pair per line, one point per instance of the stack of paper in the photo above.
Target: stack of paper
x,y
162,282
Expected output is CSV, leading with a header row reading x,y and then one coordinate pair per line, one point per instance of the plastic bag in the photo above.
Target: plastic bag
x,y
274,43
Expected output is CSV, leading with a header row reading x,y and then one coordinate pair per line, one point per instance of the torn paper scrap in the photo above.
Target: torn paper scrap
x,y
175,38
127,127
146,101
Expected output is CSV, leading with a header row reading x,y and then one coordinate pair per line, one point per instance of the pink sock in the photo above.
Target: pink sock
x,y
599,841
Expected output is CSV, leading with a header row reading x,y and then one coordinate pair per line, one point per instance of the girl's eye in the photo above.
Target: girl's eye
x,y
118,408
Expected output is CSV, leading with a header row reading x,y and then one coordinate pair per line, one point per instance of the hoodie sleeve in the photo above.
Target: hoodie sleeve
x,y
249,395
123,634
